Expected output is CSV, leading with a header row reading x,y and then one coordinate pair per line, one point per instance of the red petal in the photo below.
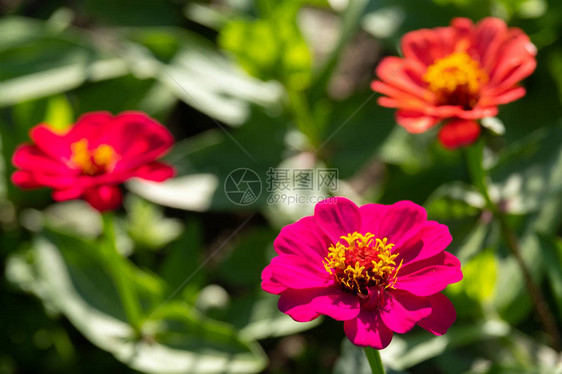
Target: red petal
x,y
459,132
402,310
103,198
31,157
337,216
368,330
155,171
442,316
414,121
53,144
303,238
330,301
25,179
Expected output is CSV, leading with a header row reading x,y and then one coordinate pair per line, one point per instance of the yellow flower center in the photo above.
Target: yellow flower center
x,y
363,261
92,161
456,80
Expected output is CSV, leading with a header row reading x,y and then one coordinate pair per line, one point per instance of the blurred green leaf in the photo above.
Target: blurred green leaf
x,y
247,258
200,184
59,113
551,249
408,350
147,225
46,62
134,12
536,160
352,360
459,206
258,317
181,265
271,47
479,277
71,275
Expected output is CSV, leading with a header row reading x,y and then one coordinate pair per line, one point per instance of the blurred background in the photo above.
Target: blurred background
x,y
258,85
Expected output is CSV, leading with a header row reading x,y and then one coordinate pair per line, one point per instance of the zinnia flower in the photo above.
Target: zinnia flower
x,y
379,268
93,157
456,74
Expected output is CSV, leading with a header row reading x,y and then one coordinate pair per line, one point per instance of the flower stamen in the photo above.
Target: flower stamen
x,y
93,161
456,80
361,262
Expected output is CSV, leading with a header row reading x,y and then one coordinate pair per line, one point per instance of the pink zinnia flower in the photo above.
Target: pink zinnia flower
x,y
379,268
457,74
93,157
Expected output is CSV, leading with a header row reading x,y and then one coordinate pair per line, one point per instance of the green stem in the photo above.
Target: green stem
x,y
374,359
118,268
479,179
303,117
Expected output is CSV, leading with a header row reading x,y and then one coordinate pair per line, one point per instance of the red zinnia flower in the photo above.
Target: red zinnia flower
x,y
379,268
459,73
96,154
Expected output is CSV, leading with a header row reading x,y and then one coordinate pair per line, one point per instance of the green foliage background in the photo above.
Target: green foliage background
x,y
259,85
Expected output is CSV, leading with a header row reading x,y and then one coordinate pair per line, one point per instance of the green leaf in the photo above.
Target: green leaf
x,y
479,277
259,317
247,258
537,161
200,185
147,226
551,248
352,360
70,275
411,349
271,47
182,262
42,62
59,113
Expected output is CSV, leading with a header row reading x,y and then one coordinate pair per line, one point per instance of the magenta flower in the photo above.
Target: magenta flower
x,y
379,268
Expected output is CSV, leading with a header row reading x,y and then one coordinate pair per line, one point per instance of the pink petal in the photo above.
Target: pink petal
x,y
402,310
303,238
53,144
427,277
268,284
155,171
337,216
330,301
138,139
293,272
30,157
442,316
397,222
103,198
25,179
96,127
68,194
368,330
431,240
60,181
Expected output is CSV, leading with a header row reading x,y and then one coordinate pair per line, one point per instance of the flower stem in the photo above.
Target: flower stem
x,y
117,266
304,119
479,179
374,359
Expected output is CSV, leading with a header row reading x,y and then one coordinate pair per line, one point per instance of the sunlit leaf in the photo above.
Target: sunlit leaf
x,y
71,275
